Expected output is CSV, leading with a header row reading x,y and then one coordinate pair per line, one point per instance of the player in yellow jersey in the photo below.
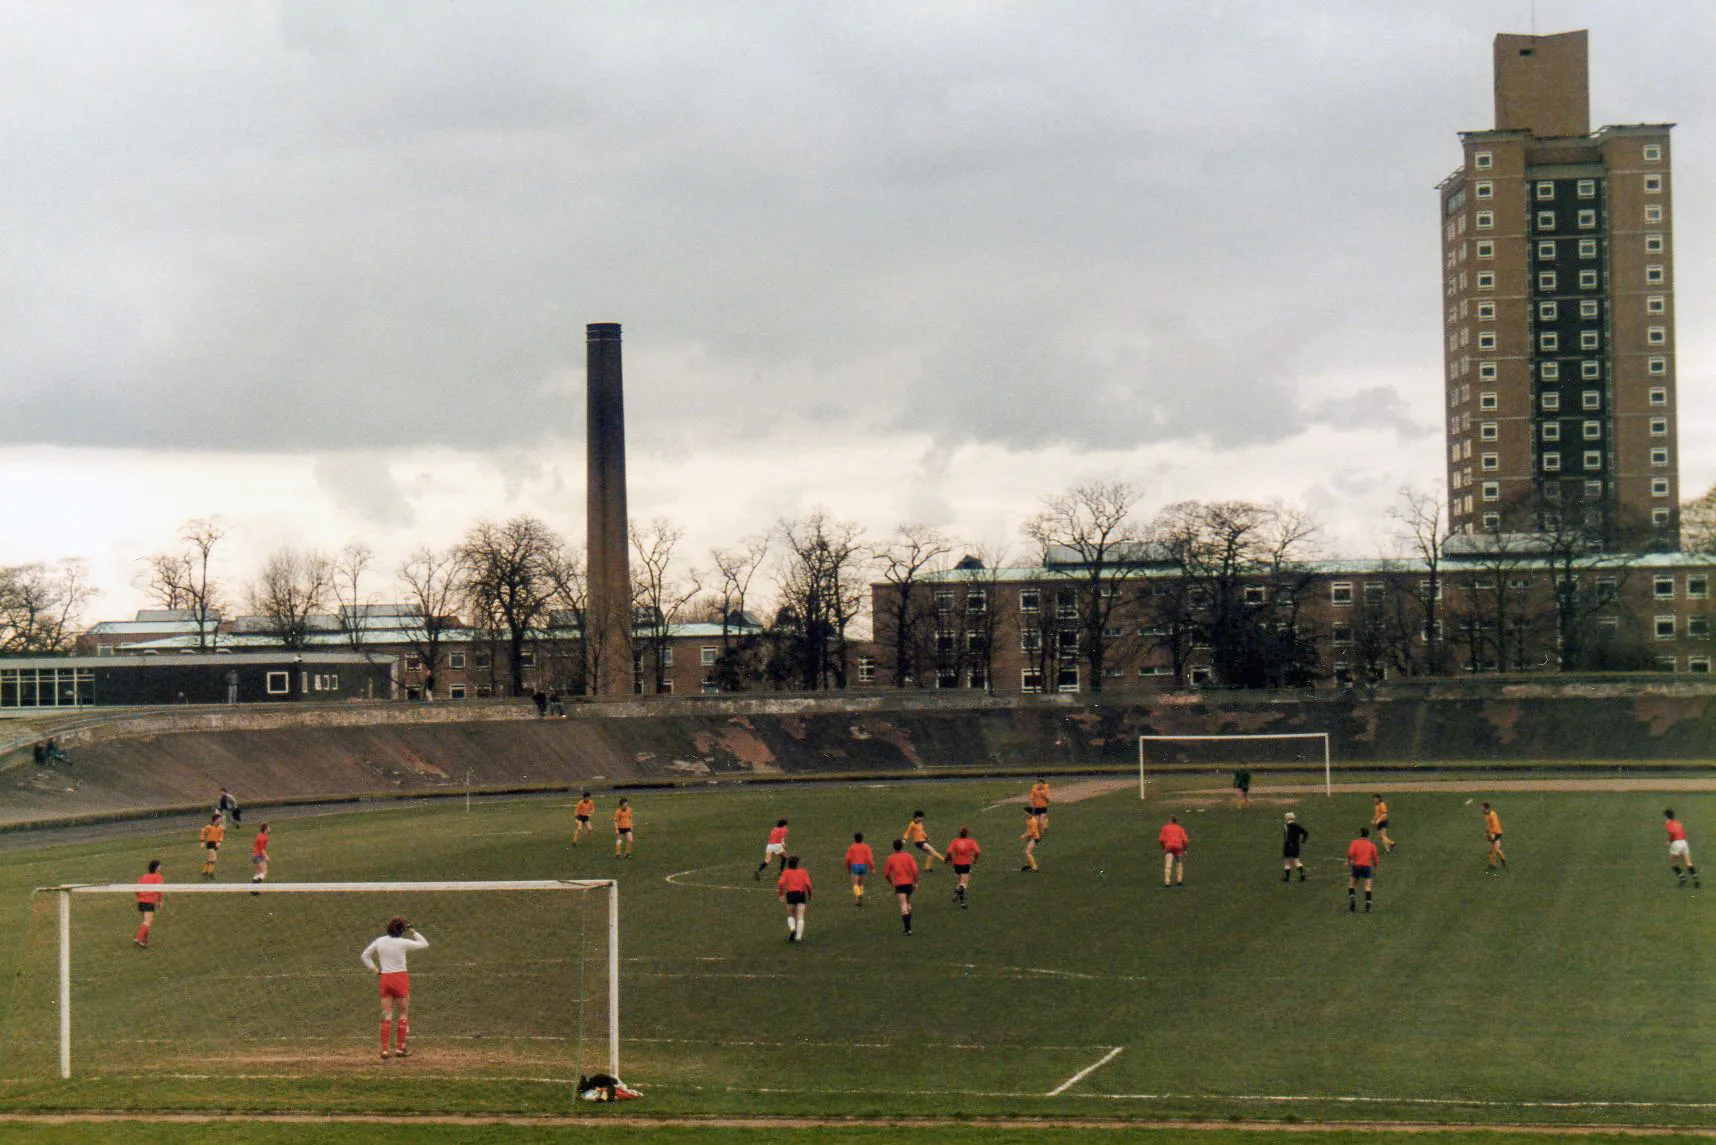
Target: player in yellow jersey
x,y
582,816
1379,822
1032,836
1493,833
1039,803
623,829
210,837
916,836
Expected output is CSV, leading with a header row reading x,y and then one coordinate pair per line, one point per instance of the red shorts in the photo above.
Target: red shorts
x,y
396,985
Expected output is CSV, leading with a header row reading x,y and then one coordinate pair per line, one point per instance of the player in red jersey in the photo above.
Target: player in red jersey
x,y
774,849
859,862
793,889
1361,866
963,853
259,854
148,902
1174,841
901,871
1679,850
386,956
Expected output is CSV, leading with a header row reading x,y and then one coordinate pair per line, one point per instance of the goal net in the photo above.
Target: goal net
x,y
521,978
1160,755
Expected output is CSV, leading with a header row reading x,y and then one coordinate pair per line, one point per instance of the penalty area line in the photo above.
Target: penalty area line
x,y
1113,1053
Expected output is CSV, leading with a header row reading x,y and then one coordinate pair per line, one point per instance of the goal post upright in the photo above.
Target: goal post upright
x,y
64,894
1328,754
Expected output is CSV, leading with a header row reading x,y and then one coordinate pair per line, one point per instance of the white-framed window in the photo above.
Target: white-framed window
x,y
1482,160
1665,628
1656,304
1653,212
1486,220
1656,365
1698,585
1587,248
1486,248
1030,640
706,655
1590,339
1487,372
1341,592
1550,431
1591,399
1587,220
1587,280
1546,220
1486,339
1590,370
1593,459
1490,491
1548,311
1588,308
1586,188
455,691
1659,427
1486,280
1697,664
456,661
1593,490
413,663
1659,486
1659,395
1659,456
1489,462
1492,521
1255,594
1656,336
1653,184
1551,461
1545,190
1483,189
324,683
976,600
1030,600
1659,516
943,598
1486,311
1653,244
1549,371
1489,431
1591,430
1546,280
1655,275
1549,400
1030,681
1546,250
1548,340
279,683
1652,153
1486,399
485,659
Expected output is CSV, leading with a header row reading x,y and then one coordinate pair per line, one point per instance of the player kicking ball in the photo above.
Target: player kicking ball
x,y
386,956
1679,850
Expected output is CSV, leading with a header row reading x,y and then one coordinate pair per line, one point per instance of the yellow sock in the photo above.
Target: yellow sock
x,y
1033,860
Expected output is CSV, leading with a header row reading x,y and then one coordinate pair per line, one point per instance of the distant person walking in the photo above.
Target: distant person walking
x,y
581,819
793,889
1174,841
210,837
901,871
1361,868
963,853
1242,786
860,861
148,902
623,829
227,807
1379,822
1293,839
1493,834
1679,850
1032,836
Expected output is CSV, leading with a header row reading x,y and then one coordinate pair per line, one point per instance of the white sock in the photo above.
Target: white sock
x,y
792,927
801,929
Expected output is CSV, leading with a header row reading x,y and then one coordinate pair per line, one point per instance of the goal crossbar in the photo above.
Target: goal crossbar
x,y
64,895
1144,740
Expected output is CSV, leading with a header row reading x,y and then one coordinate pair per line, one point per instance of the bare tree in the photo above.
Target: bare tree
x,y
182,580
909,623
433,589
732,571
294,588
659,596
822,593
1089,533
568,606
507,570
1423,530
349,569
41,607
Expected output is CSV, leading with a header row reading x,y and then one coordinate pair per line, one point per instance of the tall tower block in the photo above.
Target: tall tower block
x,y
1558,312
608,613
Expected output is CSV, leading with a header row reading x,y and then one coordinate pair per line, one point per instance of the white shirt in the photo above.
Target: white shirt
x,y
391,951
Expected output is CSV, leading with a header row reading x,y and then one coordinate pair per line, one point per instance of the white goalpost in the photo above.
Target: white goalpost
x,y
303,973
1318,742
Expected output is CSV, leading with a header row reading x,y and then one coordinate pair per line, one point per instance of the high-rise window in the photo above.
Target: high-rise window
x,y
1551,461
1545,190
1483,160
1551,431
1587,248
1656,365
1588,308
1659,427
1652,153
1653,184
1591,399
1483,189
1587,280
1549,400
1546,250
1587,188
1587,220
1658,395
1593,459
1591,430
1653,244
1546,280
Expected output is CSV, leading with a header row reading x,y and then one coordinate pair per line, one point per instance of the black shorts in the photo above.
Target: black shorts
x,y
904,889
212,846
962,868
622,830
146,907
1496,838
924,846
794,898
1361,872
1382,824
583,818
1289,852
1039,810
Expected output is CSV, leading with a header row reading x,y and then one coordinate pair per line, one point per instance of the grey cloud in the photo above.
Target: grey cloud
x,y
361,484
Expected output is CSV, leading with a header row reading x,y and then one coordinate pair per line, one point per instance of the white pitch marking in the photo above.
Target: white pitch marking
x,y
1085,1072
678,875
1352,1099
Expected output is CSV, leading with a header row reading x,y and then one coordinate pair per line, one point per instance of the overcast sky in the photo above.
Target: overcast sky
x,y
323,269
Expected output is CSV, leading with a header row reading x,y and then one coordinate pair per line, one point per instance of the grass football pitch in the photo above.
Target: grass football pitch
x,y
1575,988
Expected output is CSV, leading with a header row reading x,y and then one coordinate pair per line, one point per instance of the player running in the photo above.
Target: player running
x,y
1493,833
917,836
1361,867
582,816
210,837
1039,803
774,849
1379,822
1293,839
793,889
623,829
901,871
1679,850
227,807
963,852
859,861
148,902
259,855
1174,841
386,956
1032,836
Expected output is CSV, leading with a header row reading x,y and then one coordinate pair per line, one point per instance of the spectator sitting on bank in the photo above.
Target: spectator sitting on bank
x,y
55,755
556,707
540,699
40,753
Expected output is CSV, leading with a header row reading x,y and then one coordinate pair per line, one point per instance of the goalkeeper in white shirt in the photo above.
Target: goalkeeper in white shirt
x,y
386,956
